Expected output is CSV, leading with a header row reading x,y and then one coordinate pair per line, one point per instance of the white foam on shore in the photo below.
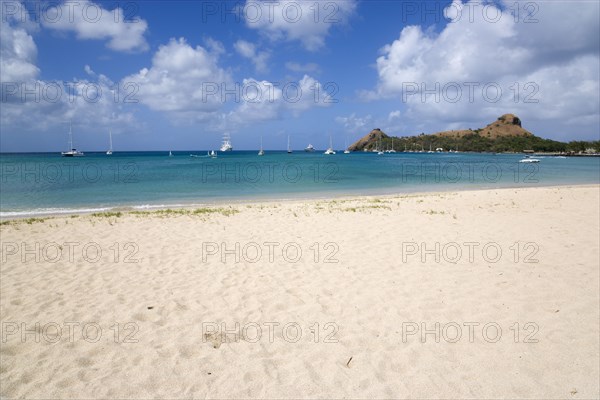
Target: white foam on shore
x,y
51,211
63,211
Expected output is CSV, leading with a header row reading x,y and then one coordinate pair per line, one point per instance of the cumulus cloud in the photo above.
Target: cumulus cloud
x,y
306,21
89,20
265,100
543,69
48,104
248,50
182,79
38,105
18,51
356,124
189,85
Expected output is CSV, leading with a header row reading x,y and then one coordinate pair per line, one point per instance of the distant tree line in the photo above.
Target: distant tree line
x,y
477,143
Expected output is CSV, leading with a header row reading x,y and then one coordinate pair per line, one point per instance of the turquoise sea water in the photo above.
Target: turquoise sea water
x,y
33,184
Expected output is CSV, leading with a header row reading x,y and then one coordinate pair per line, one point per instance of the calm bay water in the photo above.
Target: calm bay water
x,y
34,184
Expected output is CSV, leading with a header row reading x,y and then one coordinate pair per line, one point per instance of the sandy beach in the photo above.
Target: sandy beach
x,y
475,294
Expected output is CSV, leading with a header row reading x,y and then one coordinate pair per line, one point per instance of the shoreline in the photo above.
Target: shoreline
x,y
254,201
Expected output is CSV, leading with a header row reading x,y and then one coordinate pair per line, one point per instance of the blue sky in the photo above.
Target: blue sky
x,y
188,71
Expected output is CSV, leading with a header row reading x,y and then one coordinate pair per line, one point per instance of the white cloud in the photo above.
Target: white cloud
x,y
88,70
214,46
18,51
87,102
264,100
554,61
394,115
190,86
37,105
306,21
90,21
248,50
297,67
355,124
182,79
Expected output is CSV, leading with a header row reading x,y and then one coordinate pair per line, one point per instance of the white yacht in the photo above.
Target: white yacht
x,y
226,146
310,148
72,152
529,159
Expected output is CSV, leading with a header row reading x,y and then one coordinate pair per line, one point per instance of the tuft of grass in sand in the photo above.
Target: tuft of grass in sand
x,y
198,211
28,221
365,208
108,214
434,212
378,201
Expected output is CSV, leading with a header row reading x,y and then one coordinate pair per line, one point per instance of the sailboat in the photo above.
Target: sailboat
x,y
430,151
289,149
109,152
392,149
346,146
170,153
379,151
261,152
329,150
226,146
72,151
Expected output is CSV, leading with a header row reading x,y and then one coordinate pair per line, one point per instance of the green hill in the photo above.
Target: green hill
x,y
503,135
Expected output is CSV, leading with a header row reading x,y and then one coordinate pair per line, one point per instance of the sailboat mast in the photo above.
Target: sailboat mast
x,y
110,138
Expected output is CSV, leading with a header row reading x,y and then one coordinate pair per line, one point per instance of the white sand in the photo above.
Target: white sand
x,y
369,298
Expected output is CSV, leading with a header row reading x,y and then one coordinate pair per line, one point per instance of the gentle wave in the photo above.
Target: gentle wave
x,y
62,211
51,211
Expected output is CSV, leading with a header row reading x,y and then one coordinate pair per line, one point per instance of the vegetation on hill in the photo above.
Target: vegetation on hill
x,y
475,142
503,135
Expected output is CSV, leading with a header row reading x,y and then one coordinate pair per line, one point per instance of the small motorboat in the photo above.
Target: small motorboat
x,y
529,160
